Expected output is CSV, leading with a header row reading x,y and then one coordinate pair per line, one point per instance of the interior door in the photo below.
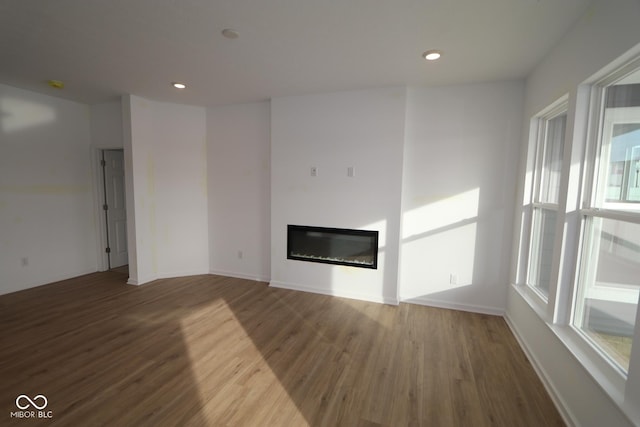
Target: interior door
x,y
116,210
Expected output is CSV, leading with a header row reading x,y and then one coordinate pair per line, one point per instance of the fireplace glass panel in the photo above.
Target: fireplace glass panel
x,y
358,248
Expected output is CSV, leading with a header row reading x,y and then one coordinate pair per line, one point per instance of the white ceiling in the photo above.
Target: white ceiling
x,y
104,48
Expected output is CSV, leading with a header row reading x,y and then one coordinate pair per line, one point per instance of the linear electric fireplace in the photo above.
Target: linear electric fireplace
x,y
357,248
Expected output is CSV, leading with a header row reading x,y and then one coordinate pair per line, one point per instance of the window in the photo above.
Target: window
x,y
608,285
578,255
549,141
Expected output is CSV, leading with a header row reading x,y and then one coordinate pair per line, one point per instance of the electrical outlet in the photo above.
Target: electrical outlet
x,y
453,279
25,261
240,254
314,171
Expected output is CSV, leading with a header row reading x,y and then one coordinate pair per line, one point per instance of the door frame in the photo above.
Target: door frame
x,y
98,201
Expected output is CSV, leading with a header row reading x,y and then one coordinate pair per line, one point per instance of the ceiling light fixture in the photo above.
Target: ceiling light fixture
x,y
230,34
432,55
56,84
178,85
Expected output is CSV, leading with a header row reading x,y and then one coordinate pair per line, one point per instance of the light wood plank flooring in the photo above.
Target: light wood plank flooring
x,y
211,350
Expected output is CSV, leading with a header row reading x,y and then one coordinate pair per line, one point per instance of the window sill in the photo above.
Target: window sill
x,y
604,373
534,300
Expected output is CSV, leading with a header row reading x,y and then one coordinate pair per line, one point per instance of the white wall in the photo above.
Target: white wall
x,y
607,30
165,152
106,125
363,129
239,198
460,162
46,201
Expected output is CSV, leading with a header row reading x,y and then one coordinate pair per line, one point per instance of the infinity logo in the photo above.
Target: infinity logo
x,y
30,402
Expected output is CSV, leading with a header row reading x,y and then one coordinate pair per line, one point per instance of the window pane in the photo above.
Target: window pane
x,y
618,185
620,156
552,159
607,296
543,234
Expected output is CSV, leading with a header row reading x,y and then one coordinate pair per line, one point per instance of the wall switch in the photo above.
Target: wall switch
x,y
240,254
24,261
314,171
453,279
351,171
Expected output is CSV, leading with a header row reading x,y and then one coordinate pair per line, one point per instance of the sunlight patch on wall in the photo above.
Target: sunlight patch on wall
x,y
440,214
439,246
19,114
440,262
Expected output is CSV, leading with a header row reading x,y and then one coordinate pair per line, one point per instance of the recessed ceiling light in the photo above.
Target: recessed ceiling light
x,y
230,34
432,55
178,85
56,84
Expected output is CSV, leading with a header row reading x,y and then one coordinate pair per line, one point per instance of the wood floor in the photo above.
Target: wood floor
x,y
211,350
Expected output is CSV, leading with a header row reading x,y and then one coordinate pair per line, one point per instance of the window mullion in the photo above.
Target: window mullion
x,y
538,162
632,217
592,160
548,206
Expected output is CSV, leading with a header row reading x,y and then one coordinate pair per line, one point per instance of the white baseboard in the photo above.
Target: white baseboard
x,y
542,374
141,280
171,275
336,293
239,275
147,279
50,280
494,311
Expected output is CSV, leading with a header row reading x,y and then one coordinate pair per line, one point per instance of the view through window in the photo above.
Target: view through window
x,y
606,300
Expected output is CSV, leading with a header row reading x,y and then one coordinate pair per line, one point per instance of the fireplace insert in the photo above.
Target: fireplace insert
x,y
356,248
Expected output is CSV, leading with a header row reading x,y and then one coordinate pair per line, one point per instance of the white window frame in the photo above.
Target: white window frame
x,y
626,393
529,253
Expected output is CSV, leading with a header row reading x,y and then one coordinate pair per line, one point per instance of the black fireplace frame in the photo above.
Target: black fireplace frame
x,y
372,234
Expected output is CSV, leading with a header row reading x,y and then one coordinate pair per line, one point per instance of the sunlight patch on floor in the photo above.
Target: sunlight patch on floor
x,y
231,377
